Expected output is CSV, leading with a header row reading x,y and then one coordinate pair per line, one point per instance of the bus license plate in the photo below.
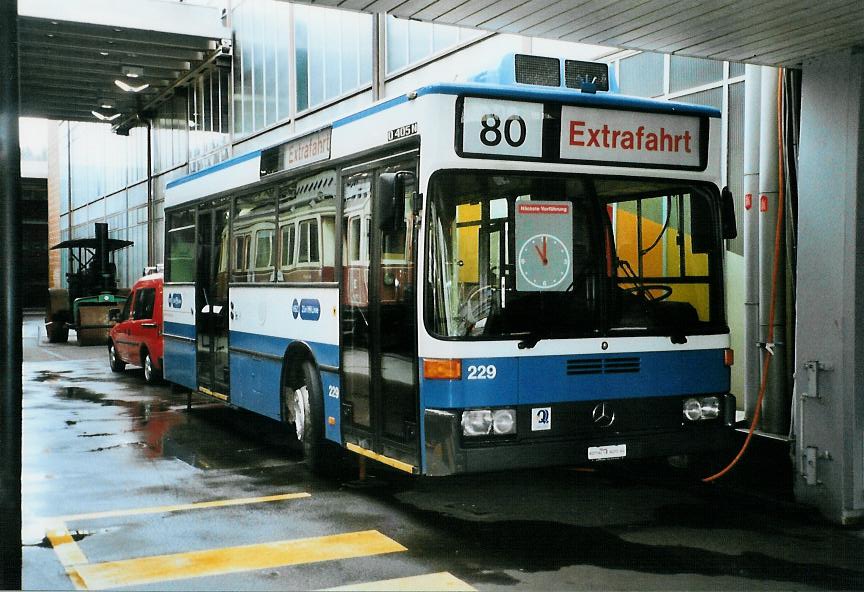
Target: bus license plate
x,y
605,452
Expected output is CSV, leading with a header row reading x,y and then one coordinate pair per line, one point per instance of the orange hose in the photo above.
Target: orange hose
x,y
772,310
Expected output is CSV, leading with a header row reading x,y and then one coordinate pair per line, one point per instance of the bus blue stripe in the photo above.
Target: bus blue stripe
x,y
500,91
324,353
179,363
216,167
179,329
370,111
568,96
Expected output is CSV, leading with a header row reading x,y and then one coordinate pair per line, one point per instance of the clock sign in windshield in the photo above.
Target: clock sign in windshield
x,y
544,240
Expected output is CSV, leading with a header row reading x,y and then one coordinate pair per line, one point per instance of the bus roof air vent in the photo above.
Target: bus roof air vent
x,y
520,68
586,76
538,70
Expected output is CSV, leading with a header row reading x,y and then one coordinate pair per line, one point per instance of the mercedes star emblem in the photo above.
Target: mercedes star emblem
x,y
603,415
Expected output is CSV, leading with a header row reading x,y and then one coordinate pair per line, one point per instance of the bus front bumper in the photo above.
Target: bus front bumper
x,y
448,452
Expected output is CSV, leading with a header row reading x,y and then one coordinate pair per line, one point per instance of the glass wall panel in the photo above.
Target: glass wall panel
x,y
262,76
209,125
63,161
641,75
171,133
326,70
712,97
736,69
409,42
735,161
685,72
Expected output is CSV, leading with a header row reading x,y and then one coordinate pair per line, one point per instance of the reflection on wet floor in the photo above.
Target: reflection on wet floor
x,y
195,437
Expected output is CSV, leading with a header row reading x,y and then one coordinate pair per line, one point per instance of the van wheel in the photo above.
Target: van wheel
x,y
303,406
117,365
58,335
151,374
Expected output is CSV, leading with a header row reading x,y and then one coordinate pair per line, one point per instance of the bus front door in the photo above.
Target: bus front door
x,y
379,353
211,301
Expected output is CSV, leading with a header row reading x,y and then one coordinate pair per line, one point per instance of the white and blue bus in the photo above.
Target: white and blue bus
x,y
521,270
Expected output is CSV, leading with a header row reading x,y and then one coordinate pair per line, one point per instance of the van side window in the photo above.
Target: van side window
x,y
144,300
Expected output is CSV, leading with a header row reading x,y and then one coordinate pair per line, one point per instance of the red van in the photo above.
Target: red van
x,y
137,337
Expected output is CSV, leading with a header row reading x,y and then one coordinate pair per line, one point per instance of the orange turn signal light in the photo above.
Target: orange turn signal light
x,y
728,356
434,369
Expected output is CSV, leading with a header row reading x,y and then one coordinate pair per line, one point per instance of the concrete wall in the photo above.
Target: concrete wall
x,y
829,422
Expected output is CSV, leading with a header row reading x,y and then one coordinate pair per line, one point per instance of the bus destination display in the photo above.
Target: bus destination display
x,y
497,128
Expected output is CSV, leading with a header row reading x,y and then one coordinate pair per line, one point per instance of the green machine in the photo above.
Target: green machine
x,y
92,290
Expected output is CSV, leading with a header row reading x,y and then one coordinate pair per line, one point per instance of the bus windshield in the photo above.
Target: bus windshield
x,y
538,256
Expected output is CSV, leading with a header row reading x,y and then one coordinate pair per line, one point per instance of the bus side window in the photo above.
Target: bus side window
x,y
241,257
254,228
354,228
287,242
309,251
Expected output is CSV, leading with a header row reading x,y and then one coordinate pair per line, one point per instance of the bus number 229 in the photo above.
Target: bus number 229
x,y
482,372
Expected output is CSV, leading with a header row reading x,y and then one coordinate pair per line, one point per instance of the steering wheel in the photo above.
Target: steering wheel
x,y
646,291
477,307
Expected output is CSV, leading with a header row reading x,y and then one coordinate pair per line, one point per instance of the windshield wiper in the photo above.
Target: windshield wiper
x,y
533,338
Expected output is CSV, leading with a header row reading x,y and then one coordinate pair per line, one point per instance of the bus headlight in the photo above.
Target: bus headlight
x,y
710,408
504,421
476,422
483,422
701,409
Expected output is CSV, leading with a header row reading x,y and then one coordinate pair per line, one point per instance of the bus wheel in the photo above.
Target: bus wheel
x,y
117,365
305,408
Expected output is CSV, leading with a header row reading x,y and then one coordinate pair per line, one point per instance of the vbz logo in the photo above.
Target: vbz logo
x,y
541,419
543,416
175,300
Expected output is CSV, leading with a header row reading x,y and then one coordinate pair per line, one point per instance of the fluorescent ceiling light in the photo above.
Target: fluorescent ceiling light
x,y
132,71
129,88
102,117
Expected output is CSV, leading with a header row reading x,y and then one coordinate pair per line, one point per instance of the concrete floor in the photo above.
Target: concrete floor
x,y
118,478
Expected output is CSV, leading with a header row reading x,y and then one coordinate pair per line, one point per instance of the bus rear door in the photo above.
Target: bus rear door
x,y
211,300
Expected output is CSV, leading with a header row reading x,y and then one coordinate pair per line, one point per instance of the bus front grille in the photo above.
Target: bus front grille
x,y
585,366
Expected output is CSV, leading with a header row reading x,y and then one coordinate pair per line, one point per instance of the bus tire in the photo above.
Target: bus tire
x,y
116,364
305,406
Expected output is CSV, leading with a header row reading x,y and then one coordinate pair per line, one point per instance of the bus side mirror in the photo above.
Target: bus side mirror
x,y
390,199
727,214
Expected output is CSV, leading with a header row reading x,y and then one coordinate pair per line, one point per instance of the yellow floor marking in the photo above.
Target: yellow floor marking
x,y
160,568
396,464
183,507
68,552
65,546
427,583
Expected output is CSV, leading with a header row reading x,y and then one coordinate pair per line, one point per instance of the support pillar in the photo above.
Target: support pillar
x,y
751,358
10,306
829,357
775,406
